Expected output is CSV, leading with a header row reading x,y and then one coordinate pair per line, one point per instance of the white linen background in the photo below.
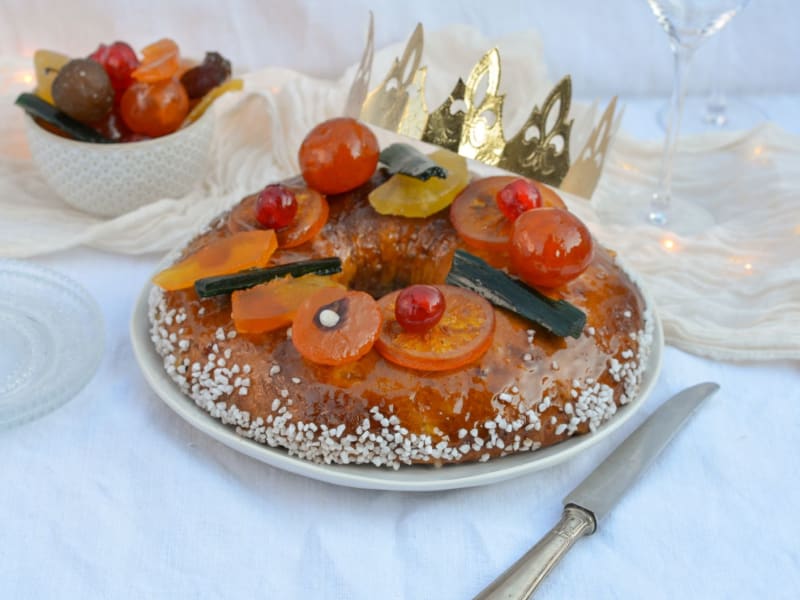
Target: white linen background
x,y
609,47
113,496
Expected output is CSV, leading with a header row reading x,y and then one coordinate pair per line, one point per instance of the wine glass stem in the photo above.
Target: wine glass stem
x,y
659,206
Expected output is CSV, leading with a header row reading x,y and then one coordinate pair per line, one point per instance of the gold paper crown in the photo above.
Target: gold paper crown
x,y
474,128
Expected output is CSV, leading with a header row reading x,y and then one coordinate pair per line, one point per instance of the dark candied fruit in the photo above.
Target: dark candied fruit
x,y
83,90
200,80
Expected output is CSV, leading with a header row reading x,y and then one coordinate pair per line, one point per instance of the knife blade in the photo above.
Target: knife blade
x,y
594,497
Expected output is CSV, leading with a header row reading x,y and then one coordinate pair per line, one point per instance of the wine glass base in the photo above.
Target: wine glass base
x,y
682,218
700,115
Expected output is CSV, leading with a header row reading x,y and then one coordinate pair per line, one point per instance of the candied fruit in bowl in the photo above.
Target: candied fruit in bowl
x,y
83,90
212,72
161,61
154,109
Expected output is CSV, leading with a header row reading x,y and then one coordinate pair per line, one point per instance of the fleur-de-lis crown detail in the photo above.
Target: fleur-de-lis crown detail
x,y
473,126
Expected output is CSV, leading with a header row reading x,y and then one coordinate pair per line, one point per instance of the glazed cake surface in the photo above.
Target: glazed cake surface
x,y
530,390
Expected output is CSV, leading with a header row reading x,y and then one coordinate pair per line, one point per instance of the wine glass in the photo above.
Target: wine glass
x,y
716,110
687,23
721,111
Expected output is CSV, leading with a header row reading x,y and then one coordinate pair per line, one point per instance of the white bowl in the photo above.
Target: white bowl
x,y
112,179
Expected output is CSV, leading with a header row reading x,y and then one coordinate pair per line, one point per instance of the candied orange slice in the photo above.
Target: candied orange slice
x,y
274,304
246,250
336,326
161,61
409,197
478,219
312,214
462,335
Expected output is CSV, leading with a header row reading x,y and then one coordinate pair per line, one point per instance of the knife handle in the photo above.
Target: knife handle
x,y
520,580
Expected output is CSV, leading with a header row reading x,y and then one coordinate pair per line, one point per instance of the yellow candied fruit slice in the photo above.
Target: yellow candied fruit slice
x,y
47,64
232,85
409,197
273,305
245,250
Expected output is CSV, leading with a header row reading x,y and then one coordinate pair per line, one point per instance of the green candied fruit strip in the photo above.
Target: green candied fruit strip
x,y
226,284
36,107
557,316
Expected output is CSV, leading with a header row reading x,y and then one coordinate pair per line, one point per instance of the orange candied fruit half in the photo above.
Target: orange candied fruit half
x,y
312,214
479,221
336,326
161,61
462,336
246,250
273,305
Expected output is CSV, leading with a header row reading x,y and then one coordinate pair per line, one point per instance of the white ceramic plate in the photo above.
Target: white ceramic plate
x,y
417,478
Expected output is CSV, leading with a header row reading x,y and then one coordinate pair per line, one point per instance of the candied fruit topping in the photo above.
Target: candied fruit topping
x,y
517,197
338,155
550,247
479,220
240,251
463,334
419,307
276,206
410,197
312,214
274,304
336,326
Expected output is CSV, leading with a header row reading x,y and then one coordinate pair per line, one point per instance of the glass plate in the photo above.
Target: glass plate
x,y
51,340
416,478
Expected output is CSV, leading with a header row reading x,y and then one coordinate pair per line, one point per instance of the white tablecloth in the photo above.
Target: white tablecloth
x,y
113,496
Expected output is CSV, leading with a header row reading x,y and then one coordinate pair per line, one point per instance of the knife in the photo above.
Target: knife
x,y
588,503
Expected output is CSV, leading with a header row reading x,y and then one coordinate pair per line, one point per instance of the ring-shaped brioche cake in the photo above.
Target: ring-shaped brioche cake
x,y
530,389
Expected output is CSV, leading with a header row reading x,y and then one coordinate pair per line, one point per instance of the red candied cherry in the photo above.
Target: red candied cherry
x,y
550,247
419,307
338,155
276,206
119,60
517,197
